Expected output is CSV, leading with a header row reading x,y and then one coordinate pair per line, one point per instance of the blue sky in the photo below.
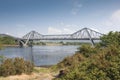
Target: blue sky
x,y
18,17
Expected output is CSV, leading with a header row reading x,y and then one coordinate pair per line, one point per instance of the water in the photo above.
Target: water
x,y
40,55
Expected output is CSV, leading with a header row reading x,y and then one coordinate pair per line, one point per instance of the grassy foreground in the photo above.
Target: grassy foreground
x,y
39,73
20,69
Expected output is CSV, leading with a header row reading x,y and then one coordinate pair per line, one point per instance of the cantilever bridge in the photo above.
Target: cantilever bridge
x,y
83,34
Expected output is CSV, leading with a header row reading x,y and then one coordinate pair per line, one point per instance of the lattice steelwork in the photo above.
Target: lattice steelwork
x,y
86,33
56,37
83,34
32,35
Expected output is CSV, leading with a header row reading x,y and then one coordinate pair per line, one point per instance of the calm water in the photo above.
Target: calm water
x,y
40,55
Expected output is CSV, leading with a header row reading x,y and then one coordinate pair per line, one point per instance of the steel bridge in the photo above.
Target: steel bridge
x,y
83,34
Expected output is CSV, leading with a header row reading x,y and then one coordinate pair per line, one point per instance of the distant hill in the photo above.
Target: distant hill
x,y
6,35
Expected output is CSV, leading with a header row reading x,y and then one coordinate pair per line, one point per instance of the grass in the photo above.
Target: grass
x,y
1,47
41,69
39,73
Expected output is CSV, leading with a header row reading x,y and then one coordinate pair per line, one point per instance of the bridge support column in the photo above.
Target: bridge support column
x,y
92,42
30,43
22,43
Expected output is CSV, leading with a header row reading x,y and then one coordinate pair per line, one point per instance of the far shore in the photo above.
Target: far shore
x,y
10,45
47,44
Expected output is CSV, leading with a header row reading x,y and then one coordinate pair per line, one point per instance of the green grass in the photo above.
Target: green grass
x,y
41,69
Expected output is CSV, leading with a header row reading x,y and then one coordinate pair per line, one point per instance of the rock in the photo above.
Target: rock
x,y
61,73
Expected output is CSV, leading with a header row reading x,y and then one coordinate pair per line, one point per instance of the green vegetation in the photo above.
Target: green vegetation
x,y
39,43
1,59
111,38
72,43
7,40
1,46
15,66
42,69
60,43
101,62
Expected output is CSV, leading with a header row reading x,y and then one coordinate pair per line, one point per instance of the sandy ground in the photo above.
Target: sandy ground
x,y
42,74
33,76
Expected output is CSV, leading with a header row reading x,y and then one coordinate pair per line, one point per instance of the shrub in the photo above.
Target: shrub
x,y
7,68
1,59
110,38
101,66
19,65
15,66
87,50
101,62
28,67
71,61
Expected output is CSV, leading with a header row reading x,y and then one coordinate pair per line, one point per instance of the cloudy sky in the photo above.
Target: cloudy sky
x,y
18,17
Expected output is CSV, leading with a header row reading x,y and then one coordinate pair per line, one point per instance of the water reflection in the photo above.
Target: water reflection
x,y
40,55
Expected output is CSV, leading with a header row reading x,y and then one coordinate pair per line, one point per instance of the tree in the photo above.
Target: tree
x,y
7,40
111,38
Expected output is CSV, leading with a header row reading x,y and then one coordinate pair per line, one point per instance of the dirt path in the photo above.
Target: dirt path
x,y
33,76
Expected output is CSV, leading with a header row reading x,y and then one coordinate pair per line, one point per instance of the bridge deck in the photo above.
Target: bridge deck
x,y
64,39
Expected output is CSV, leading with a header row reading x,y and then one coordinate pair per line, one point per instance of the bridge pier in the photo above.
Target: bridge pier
x,y
30,43
92,42
22,43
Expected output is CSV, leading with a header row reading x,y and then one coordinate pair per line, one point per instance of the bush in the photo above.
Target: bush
x,y
7,68
1,59
87,50
101,62
102,66
110,38
15,66
71,61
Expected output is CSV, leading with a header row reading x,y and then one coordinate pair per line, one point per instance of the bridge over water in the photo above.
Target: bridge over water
x,y
83,34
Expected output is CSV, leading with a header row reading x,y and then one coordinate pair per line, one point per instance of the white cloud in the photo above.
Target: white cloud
x,y
114,19
113,23
76,7
95,29
7,33
116,16
53,30
67,31
63,28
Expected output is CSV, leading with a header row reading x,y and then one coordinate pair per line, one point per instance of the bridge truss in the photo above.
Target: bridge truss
x,y
83,34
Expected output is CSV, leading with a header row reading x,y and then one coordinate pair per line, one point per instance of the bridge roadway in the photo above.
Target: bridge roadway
x,y
62,39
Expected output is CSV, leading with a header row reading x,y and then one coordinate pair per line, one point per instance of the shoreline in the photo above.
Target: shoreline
x,y
37,45
45,66
10,45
